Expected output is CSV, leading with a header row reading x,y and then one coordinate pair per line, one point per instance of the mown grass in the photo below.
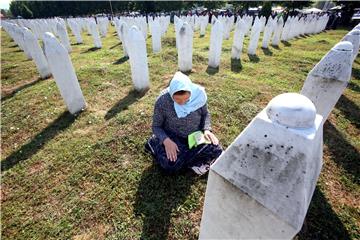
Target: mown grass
x,y
88,177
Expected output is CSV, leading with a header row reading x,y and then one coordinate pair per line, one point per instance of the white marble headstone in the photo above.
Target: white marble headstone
x,y
64,74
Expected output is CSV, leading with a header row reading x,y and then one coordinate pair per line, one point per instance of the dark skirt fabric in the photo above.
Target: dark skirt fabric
x,y
186,158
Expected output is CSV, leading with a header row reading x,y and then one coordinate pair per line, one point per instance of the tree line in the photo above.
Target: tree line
x,y
45,9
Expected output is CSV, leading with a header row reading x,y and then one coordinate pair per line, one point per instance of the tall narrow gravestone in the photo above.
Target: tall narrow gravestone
x,y
156,35
63,35
25,44
185,45
124,28
76,30
277,32
37,54
254,36
203,23
269,29
63,73
328,79
216,38
262,185
95,34
138,59
239,34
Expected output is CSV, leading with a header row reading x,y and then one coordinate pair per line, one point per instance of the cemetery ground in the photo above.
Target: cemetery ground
x,y
88,177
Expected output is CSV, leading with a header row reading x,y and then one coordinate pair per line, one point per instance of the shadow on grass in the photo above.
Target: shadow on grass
x,y
349,109
302,36
356,74
343,153
276,47
211,70
121,60
267,51
321,222
75,44
188,73
253,58
354,87
118,44
236,65
6,94
28,150
286,43
158,195
124,103
93,49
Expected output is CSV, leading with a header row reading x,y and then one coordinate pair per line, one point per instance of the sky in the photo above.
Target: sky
x,y
4,4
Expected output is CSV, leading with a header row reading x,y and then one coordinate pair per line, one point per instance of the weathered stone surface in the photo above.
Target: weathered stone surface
x,y
261,186
328,79
185,45
354,37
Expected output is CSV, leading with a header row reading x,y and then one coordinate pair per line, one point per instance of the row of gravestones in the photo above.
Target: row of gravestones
x,y
159,25
54,59
274,30
58,27
28,41
133,41
262,185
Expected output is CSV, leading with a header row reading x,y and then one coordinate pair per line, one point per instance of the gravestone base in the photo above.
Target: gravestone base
x,y
253,220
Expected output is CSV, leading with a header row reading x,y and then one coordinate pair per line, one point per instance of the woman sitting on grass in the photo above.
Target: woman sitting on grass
x,y
180,113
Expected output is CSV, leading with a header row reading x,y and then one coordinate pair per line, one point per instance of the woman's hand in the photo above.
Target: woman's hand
x,y
171,149
211,137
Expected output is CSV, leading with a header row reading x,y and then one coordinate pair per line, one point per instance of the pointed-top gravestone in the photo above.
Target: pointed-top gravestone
x,y
216,38
239,34
64,74
354,37
277,32
138,59
262,185
64,37
156,35
95,34
37,54
185,45
254,36
269,29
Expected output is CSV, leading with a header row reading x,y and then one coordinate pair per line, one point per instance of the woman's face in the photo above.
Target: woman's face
x,y
181,99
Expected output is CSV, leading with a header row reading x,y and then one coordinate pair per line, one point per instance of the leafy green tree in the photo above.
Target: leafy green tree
x,y
266,8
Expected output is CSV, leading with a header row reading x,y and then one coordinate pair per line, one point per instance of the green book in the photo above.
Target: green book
x,y
197,138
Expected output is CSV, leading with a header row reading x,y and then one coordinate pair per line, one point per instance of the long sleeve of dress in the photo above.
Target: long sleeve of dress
x,y
158,121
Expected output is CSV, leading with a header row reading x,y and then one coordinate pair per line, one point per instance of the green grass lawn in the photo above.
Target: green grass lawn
x,y
88,177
